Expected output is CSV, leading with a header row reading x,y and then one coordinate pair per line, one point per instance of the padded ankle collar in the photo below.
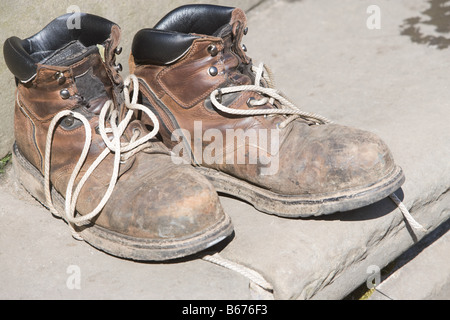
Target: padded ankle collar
x,y
21,56
202,19
173,35
158,47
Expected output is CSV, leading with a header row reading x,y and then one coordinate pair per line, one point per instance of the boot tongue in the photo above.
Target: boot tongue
x,y
233,62
223,31
89,86
71,53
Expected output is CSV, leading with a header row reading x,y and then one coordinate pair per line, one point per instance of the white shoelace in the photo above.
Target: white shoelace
x,y
263,287
271,93
122,151
406,214
287,108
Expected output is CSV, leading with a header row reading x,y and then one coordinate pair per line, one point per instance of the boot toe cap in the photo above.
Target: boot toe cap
x,y
336,158
172,202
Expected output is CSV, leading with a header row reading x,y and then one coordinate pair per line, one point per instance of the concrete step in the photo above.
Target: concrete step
x,y
327,60
425,274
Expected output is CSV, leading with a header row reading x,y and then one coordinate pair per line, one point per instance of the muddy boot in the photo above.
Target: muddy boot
x,y
80,151
222,112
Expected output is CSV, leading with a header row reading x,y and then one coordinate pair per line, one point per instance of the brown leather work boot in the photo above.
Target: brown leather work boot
x,y
80,152
223,113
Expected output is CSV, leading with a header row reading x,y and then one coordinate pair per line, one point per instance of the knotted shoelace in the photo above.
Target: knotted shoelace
x,y
112,138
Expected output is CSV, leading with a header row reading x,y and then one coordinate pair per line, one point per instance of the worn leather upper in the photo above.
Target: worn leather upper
x,y
313,159
78,73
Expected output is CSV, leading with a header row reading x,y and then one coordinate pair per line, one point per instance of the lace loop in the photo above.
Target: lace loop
x,y
114,145
271,95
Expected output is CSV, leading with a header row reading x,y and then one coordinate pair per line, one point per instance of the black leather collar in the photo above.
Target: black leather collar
x,y
173,35
21,56
159,47
201,18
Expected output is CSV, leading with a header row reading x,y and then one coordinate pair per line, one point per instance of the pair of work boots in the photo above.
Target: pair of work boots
x,y
134,166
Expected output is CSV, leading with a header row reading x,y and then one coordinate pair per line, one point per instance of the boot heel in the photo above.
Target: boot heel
x,y
27,175
32,180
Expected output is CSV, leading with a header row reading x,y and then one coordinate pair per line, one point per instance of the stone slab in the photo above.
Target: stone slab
x,y
425,277
39,259
328,61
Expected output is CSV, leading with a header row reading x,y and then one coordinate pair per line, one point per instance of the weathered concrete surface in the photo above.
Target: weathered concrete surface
x,y
377,80
23,18
327,60
37,253
425,277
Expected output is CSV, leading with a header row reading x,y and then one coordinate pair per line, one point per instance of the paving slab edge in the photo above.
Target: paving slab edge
x,y
337,286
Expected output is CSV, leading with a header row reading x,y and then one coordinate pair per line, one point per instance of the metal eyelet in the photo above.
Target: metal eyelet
x,y
118,50
280,127
68,121
244,48
212,49
65,94
213,71
136,131
245,31
59,76
238,27
118,67
219,96
249,102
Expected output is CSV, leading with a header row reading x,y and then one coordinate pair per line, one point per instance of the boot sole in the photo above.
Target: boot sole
x,y
118,244
293,206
